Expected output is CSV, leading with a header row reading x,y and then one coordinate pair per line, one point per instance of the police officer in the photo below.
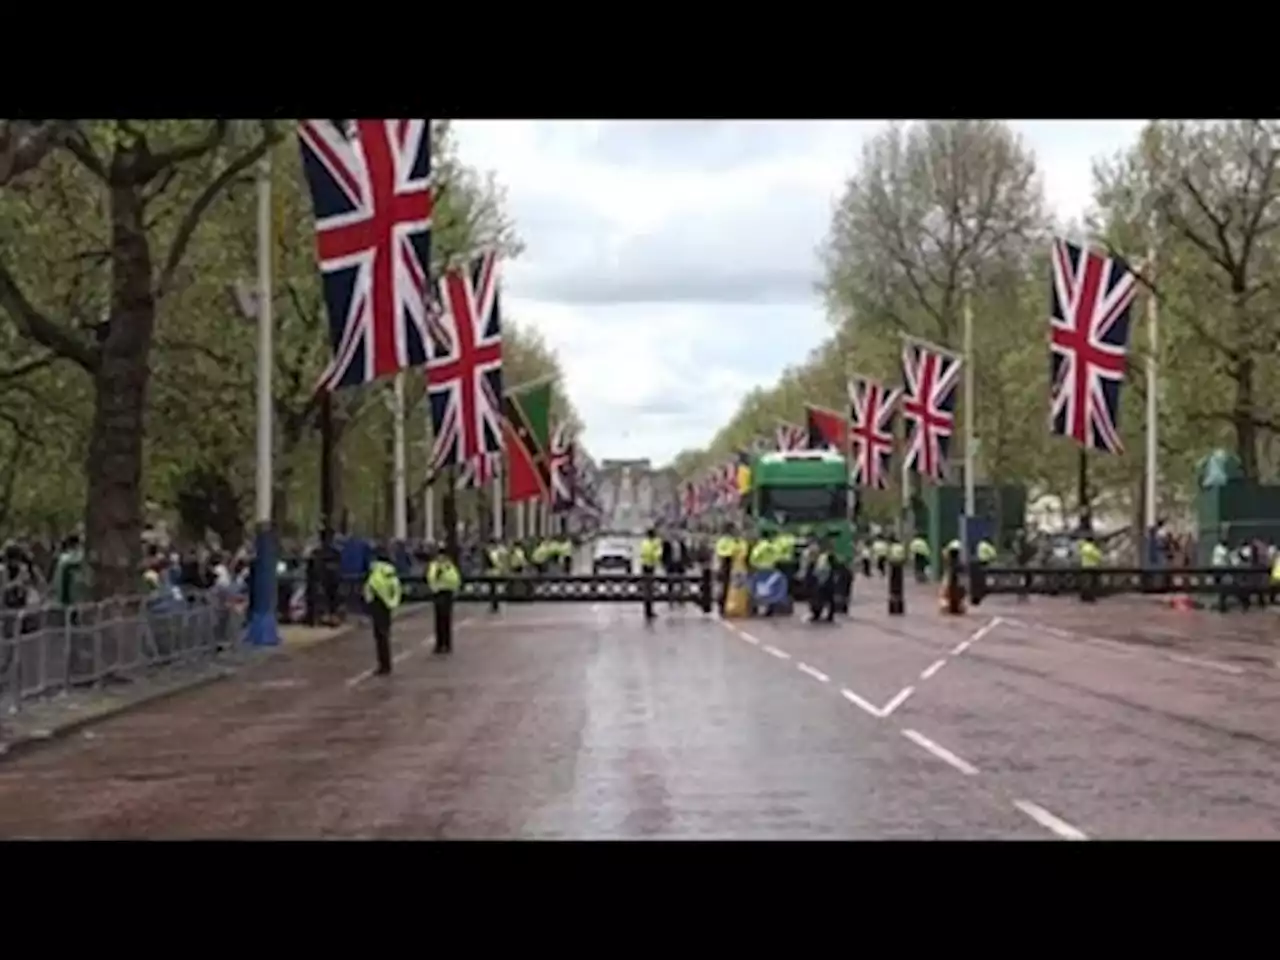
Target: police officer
x,y
1090,560
880,553
382,594
443,579
821,575
864,558
726,547
495,566
763,560
1275,575
986,552
650,556
896,561
920,557
784,546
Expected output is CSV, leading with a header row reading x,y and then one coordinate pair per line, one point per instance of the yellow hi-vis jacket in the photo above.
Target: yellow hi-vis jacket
x,y
443,576
384,584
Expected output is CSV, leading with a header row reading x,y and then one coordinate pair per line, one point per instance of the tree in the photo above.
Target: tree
x,y
1206,195
157,180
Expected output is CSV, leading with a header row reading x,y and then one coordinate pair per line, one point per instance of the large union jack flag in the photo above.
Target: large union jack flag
x,y
1088,340
464,374
790,436
479,471
563,473
872,407
930,375
370,184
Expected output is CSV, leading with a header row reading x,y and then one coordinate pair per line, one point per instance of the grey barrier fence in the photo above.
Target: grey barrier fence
x,y
51,650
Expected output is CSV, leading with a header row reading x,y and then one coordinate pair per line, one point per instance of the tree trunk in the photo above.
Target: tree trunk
x,y
113,514
1242,416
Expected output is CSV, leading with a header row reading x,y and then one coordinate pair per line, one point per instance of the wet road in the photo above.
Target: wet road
x,y
573,721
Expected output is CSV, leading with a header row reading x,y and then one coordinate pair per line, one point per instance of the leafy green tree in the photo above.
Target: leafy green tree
x,y
129,195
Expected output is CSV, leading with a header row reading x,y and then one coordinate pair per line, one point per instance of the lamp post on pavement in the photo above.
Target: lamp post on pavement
x,y
262,616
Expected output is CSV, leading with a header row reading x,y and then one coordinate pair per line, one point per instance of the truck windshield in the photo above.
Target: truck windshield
x,y
804,504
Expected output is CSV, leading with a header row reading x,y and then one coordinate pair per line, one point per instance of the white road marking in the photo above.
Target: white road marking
x,y
897,701
941,752
360,677
402,656
1046,819
864,705
746,636
1207,664
816,674
775,652
984,630
960,647
933,668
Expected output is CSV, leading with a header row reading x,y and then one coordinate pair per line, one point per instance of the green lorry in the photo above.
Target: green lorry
x,y
804,492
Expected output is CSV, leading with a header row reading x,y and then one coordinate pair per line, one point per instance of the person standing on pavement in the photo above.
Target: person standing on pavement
x,y
650,557
495,566
920,557
880,553
1090,560
382,594
726,547
444,580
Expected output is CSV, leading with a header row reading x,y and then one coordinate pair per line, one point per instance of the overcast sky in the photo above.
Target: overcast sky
x,y
671,264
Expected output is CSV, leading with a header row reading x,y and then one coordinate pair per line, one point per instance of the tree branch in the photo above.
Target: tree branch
x,y
23,146
78,145
20,370
34,325
153,164
191,219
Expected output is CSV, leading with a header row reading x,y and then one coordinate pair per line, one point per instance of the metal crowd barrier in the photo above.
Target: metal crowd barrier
x,y
50,650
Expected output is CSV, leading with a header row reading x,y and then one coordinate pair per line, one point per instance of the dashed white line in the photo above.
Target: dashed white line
x,y
775,652
941,752
402,656
1046,819
897,701
933,668
360,677
864,705
811,671
1207,664
960,647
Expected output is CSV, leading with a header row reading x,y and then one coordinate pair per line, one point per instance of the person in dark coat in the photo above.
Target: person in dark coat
x,y
675,559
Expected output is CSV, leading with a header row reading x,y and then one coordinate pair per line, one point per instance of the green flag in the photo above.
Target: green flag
x,y
527,439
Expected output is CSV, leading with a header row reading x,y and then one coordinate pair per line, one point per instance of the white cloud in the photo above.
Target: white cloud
x,y
672,263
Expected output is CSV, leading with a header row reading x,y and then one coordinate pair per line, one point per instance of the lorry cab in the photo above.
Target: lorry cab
x,y
804,491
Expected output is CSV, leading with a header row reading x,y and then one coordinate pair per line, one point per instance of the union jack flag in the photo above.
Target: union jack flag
x,y
370,185
480,471
789,436
1088,341
872,406
929,375
562,469
464,374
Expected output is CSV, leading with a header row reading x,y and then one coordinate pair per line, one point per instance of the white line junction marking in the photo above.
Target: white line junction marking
x,y
816,674
865,705
941,752
1047,820
897,701
775,652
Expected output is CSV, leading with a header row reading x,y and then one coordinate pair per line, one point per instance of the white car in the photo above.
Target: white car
x,y
612,555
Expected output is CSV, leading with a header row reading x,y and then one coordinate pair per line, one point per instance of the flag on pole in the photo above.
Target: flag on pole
x,y
872,408
790,436
464,374
370,186
826,430
563,474
527,438
930,375
1091,298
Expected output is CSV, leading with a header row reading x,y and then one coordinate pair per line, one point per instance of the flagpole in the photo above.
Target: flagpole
x,y
970,454
401,519
1153,449
499,478
262,620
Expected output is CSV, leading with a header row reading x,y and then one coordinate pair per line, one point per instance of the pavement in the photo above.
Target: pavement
x,y
579,721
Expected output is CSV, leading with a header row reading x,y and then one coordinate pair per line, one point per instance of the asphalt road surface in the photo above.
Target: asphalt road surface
x,y
1033,721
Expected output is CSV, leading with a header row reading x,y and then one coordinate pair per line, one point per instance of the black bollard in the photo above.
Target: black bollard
x,y
897,607
707,588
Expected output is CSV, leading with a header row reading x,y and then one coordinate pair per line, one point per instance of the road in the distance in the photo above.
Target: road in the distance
x,y
558,721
